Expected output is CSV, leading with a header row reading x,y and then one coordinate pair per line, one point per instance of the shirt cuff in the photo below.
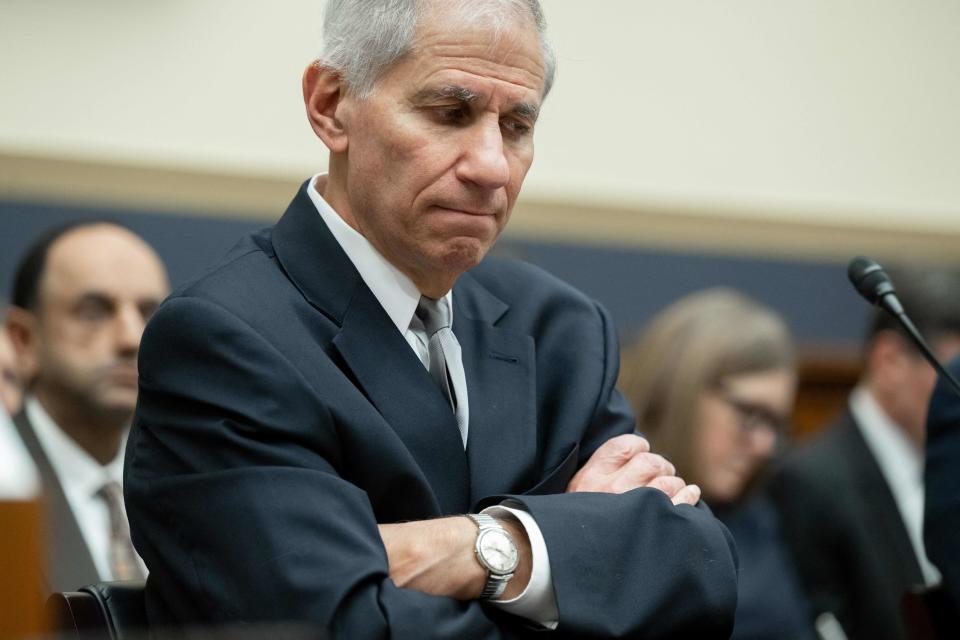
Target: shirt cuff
x,y
537,602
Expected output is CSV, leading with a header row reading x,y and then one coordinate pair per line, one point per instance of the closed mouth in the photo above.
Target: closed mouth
x,y
469,212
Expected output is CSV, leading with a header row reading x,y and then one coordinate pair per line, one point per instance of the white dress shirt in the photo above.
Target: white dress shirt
x,y
902,467
18,476
399,297
81,478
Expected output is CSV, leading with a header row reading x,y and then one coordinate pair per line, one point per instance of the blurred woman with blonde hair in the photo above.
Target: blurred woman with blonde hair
x,y
712,382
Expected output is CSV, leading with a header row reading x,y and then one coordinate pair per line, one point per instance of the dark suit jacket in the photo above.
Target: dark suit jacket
x,y
282,416
845,532
770,602
69,564
941,525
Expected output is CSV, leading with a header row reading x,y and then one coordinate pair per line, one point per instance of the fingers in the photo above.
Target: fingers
x,y
616,452
670,485
625,463
690,494
602,469
641,470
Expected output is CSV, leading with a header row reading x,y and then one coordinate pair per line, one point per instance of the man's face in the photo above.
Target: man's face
x,y
904,380
437,154
100,285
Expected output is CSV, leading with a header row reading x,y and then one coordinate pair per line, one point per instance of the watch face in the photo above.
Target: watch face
x,y
498,551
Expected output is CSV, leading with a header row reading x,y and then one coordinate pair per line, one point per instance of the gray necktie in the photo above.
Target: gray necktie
x,y
123,559
446,361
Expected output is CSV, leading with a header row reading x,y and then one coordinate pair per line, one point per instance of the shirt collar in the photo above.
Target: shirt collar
x,y
77,471
395,292
896,455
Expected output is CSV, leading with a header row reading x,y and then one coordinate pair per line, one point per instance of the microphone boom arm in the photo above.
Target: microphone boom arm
x,y
871,282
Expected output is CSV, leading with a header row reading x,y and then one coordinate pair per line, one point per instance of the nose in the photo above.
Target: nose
x,y
129,329
484,161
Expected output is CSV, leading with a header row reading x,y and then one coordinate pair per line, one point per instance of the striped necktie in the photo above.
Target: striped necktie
x,y
123,559
446,361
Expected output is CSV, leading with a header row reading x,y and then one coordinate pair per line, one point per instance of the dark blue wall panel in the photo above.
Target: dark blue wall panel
x,y
186,243
815,297
633,284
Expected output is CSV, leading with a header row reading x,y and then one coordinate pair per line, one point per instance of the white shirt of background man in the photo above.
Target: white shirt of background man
x,y
81,478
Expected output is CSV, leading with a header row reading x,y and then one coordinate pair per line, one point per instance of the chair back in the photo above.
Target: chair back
x,y
102,611
930,614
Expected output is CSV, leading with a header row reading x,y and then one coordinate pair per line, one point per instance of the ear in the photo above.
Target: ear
x,y
323,91
23,329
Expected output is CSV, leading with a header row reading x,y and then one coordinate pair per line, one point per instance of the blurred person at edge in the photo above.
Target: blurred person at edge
x,y
941,513
82,294
851,499
11,385
712,381
17,476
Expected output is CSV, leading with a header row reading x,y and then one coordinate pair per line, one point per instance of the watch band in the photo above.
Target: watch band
x,y
496,582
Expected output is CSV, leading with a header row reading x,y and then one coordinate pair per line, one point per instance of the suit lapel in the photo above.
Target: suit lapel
x,y
499,365
70,565
402,390
376,354
882,510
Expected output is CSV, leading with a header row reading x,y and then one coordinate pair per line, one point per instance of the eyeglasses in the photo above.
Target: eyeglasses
x,y
754,416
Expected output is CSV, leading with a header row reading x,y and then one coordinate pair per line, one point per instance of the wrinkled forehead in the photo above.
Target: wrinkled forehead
x,y
493,45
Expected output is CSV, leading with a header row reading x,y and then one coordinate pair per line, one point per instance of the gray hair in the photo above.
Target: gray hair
x,y
363,38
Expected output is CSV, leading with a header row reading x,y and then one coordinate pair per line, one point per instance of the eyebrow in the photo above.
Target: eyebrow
x,y
94,296
526,110
447,91
105,298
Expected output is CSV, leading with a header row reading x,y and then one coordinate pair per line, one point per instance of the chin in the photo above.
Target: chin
x,y
727,493
462,254
118,401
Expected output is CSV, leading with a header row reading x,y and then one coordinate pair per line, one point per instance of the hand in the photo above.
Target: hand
x,y
437,557
624,463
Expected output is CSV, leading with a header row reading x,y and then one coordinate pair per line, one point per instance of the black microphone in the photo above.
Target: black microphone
x,y
873,283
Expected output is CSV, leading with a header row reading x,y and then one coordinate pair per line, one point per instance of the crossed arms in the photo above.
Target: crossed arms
x,y
258,477
436,556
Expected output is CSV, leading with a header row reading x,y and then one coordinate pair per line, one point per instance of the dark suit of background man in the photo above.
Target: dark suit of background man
x,y
305,446
852,499
942,476
81,296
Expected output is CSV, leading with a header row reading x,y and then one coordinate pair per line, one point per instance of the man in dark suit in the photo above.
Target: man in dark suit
x,y
851,500
81,296
313,443
941,517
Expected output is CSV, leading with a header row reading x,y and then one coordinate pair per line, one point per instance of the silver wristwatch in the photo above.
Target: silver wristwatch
x,y
497,553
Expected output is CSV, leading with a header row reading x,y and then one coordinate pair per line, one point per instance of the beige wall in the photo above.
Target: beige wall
x,y
672,122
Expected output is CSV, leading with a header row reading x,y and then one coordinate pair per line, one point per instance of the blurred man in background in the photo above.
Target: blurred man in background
x,y
852,499
81,296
